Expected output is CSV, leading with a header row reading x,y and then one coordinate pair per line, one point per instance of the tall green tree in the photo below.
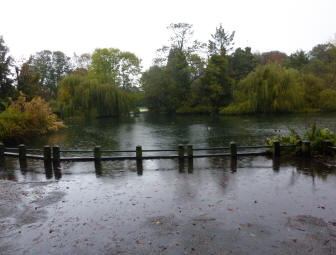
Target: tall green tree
x,y
6,82
297,60
270,88
52,66
216,83
323,63
80,95
221,43
159,89
115,67
28,80
167,84
242,62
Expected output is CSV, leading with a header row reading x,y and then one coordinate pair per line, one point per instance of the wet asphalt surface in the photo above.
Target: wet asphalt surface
x,y
258,208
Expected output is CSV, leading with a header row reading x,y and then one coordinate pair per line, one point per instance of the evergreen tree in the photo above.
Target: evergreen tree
x,y
6,82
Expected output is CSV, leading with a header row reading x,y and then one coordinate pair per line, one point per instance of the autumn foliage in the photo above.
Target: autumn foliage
x,y
22,119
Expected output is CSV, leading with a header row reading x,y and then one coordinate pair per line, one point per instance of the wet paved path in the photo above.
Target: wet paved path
x,y
209,210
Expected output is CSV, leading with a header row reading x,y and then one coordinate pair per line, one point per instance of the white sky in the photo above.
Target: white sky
x,y
139,26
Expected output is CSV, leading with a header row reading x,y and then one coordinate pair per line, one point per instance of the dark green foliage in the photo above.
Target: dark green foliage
x,y
323,64
28,81
159,90
242,62
216,82
297,60
52,66
178,70
6,83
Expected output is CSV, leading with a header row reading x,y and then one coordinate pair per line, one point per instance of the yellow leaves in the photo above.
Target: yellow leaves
x,y
23,119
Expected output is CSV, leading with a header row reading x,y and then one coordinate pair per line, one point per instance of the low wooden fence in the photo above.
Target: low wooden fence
x,y
52,155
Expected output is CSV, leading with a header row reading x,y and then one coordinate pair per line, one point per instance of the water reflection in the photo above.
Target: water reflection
x,y
233,164
165,132
14,170
139,167
98,168
190,165
181,165
276,164
48,171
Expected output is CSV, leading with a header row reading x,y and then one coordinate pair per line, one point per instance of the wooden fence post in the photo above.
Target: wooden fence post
x,y
139,160
233,156
181,157
181,152
47,155
190,151
22,156
233,150
306,149
56,156
47,161
139,152
2,152
22,152
190,154
276,149
97,153
97,160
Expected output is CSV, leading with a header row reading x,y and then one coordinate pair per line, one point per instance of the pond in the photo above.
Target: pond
x,y
163,131
263,206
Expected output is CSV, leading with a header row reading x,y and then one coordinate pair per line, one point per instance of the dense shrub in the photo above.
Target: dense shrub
x,y
286,139
22,120
315,135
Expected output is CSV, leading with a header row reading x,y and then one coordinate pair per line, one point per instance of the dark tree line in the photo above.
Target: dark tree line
x,y
239,81
188,76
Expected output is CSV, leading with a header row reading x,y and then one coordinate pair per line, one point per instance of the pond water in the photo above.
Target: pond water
x,y
263,206
163,131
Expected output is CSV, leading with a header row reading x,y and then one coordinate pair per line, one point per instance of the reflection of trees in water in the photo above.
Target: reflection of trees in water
x,y
7,173
314,169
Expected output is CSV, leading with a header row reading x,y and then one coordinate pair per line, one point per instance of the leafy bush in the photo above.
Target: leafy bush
x,y
315,135
289,139
21,119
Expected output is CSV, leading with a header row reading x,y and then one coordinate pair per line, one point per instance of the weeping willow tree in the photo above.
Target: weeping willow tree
x,y
79,95
269,89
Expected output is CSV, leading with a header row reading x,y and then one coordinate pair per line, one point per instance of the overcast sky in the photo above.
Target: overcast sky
x,y
139,26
